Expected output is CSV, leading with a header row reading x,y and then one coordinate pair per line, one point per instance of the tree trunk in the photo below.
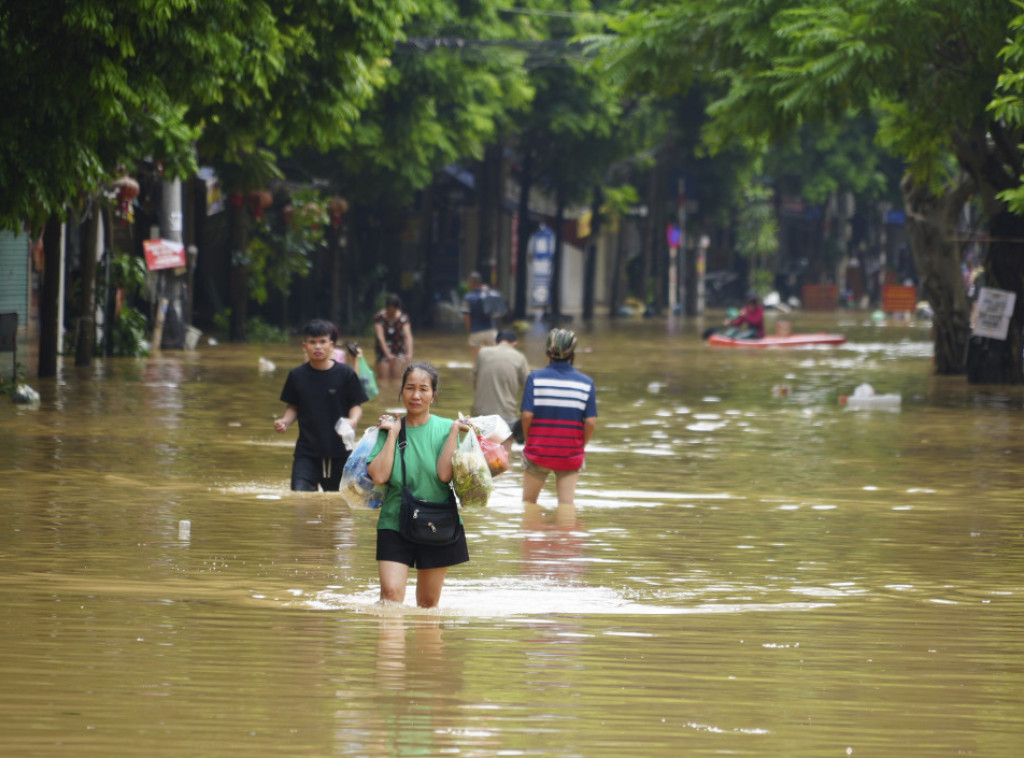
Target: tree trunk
x,y
334,254
489,183
238,290
619,270
931,221
524,230
555,302
992,361
590,253
650,235
109,300
49,326
86,341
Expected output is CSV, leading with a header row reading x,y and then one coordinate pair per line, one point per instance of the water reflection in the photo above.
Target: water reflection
x,y
746,570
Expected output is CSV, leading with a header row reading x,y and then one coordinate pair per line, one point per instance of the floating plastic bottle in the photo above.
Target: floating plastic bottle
x,y
864,398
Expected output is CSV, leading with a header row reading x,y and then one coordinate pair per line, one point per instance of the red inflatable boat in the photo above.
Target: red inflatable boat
x,y
792,340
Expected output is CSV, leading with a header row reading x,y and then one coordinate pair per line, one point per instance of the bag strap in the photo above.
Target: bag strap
x,y
401,448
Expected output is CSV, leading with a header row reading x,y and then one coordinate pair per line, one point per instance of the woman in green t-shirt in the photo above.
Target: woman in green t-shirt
x,y
431,443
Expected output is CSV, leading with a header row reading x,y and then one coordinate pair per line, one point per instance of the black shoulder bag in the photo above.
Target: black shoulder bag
x,y
422,521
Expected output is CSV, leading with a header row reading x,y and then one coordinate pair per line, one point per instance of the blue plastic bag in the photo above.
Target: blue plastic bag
x,y
356,486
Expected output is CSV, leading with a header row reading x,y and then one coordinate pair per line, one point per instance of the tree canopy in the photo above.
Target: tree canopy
x,y
92,84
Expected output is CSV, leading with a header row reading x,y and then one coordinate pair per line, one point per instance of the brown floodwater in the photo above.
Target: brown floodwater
x,y
750,569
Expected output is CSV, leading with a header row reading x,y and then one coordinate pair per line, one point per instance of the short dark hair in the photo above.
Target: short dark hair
x,y
319,327
393,301
506,335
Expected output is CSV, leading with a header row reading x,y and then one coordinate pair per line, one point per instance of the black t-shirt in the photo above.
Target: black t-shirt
x,y
322,397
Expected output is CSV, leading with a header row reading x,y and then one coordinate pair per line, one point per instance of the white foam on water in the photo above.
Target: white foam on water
x,y
530,598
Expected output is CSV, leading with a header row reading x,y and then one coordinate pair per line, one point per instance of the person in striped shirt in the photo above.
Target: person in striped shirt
x,y
559,415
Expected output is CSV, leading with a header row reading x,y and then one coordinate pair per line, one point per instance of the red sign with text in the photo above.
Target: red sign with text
x,y
161,254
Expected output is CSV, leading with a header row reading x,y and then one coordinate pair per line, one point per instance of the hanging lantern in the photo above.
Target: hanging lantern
x,y
127,190
259,201
337,206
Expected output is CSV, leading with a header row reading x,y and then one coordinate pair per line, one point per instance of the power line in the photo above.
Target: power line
x,y
557,14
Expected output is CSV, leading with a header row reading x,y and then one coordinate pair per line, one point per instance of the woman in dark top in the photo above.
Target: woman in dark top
x,y
394,339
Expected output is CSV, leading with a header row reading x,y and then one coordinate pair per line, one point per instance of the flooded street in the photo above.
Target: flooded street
x,y
750,568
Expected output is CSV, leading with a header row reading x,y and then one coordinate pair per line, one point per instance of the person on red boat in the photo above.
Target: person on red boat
x,y
750,323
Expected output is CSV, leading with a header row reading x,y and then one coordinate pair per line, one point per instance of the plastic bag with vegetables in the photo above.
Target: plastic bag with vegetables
x,y
472,477
491,431
495,454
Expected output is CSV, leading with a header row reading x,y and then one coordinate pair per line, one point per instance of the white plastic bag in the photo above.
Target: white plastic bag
x,y
347,433
356,485
471,476
493,428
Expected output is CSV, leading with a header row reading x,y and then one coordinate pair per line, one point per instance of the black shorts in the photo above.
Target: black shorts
x,y
392,546
308,473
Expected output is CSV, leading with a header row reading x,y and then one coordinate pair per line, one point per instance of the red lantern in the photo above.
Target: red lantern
x,y
259,201
337,206
127,189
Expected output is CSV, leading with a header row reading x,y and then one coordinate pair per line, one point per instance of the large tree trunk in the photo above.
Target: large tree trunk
x,y
50,326
649,237
489,194
590,254
992,361
86,342
931,221
524,230
618,284
555,303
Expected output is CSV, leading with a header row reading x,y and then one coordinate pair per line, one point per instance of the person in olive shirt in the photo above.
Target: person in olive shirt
x,y
499,374
318,394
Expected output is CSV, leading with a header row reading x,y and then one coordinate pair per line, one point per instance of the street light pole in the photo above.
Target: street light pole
x,y
681,200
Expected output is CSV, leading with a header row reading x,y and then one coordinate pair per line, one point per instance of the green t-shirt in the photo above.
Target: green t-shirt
x,y
425,445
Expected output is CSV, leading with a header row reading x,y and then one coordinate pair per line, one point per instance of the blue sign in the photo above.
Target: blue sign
x,y
543,244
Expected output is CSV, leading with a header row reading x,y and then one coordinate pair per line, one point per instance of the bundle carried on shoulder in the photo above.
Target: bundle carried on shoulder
x,y
471,475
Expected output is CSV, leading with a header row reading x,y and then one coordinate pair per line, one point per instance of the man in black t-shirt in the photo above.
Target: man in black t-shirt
x,y
317,394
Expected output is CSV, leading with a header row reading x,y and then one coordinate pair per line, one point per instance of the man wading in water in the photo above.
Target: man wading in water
x,y
559,414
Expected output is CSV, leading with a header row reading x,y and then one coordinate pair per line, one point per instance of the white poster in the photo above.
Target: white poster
x,y
994,310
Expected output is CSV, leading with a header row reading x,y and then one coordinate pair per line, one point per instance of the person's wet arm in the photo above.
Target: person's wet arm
x,y
378,333
527,419
380,467
445,471
355,414
291,412
589,425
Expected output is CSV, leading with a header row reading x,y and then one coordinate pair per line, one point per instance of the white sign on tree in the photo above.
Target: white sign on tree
x,y
994,310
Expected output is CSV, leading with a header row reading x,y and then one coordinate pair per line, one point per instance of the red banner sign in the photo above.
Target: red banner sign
x,y
899,299
161,254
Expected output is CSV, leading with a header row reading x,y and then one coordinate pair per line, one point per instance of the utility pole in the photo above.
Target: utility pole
x,y
702,265
169,295
681,201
